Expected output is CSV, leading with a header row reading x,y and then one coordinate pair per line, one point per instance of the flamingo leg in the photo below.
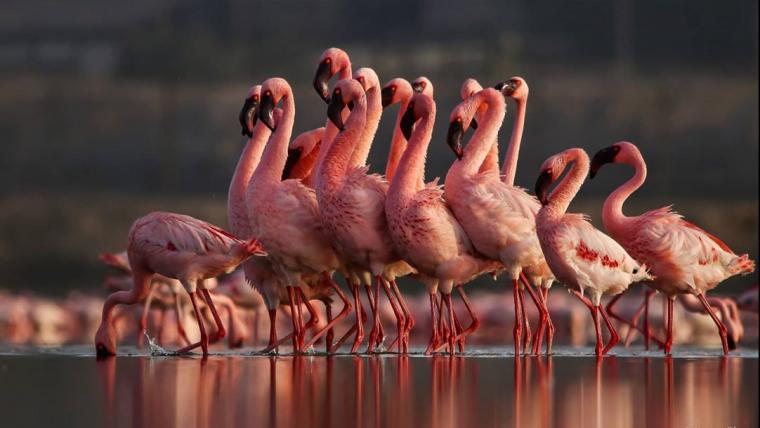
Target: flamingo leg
x,y
144,317
443,328
614,338
342,314
598,328
293,317
721,327
647,330
517,332
400,322
434,324
543,314
359,320
526,322
446,297
407,314
203,343
180,319
733,328
330,333
473,316
313,315
669,325
273,344
220,331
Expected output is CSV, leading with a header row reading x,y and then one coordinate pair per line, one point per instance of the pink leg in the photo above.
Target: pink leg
x,y
598,327
526,322
203,343
342,314
313,315
330,333
144,317
647,329
517,333
273,345
614,338
543,314
407,314
447,301
294,318
669,325
220,331
721,328
434,324
473,316
400,322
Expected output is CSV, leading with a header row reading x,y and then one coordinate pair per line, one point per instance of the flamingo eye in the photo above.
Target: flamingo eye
x,y
459,120
268,93
393,88
256,98
328,60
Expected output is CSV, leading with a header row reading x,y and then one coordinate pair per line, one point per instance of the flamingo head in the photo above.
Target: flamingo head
x,y
422,85
272,91
469,88
549,172
367,78
300,148
621,152
247,116
332,61
344,94
395,91
515,88
459,122
420,105
105,340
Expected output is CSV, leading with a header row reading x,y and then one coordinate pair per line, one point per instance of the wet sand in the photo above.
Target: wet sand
x,y
69,387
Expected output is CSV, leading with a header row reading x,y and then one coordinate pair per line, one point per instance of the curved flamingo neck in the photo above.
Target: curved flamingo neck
x,y
338,157
411,167
330,130
276,152
612,211
482,141
398,142
237,213
566,190
374,111
513,150
491,163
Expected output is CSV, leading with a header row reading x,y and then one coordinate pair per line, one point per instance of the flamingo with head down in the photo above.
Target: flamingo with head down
x,y
580,256
180,247
684,258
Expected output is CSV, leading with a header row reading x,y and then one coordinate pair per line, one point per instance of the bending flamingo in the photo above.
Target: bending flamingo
x,y
284,214
497,217
683,258
580,256
424,231
179,247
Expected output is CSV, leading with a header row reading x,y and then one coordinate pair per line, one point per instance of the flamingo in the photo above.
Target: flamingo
x,y
580,256
498,218
302,156
180,247
683,258
470,87
284,214
748,300
352,203
424,231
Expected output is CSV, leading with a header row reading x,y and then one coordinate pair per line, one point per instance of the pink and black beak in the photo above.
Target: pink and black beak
x,y
542,186
294,155
454,138
335,110
386,95
507,87
603,156
266,111
407,121
321,77
248,115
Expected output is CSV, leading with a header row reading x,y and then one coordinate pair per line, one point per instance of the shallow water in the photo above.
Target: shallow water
x,y
69,387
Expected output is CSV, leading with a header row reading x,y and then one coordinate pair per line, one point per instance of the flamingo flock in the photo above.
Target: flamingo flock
x,y
302,209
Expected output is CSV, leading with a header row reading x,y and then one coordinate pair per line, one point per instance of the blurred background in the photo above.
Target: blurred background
x,y
111,109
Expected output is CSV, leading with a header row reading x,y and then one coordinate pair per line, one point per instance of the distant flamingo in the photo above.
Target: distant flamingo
x,y
748,301
179,247
352,203
424,231
683,258
497,217
470,87
302,156
284,214
580,256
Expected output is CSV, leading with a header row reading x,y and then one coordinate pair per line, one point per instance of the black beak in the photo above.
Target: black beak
x,y
248,114
294,155
334,110
266,111
321,77
407,122
542,186
473,124
387,96
603,156
418,87
506,87
454,138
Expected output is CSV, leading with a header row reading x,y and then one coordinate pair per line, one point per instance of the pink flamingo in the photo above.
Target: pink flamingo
x,y
580,256
284,214
424,231
684,258
470,87
352,203
302,156
180,247
498,218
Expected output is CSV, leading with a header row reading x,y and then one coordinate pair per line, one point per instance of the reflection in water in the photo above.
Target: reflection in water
x,y
437,392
